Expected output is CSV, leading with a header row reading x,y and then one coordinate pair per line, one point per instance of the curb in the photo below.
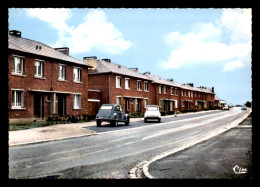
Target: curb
x,y
44,141
134,173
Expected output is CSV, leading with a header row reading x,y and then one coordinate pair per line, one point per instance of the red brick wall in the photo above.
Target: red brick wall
x,y
49,82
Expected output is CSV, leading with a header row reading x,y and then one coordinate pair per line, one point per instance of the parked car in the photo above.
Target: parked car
x,y
111,113
225,107
152,112
244,108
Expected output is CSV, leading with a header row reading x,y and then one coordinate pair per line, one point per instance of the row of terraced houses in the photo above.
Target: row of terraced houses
x,y
45,81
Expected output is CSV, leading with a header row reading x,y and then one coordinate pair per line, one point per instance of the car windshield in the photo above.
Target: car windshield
x,y
152,108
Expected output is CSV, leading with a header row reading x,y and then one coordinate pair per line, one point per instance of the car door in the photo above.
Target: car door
x,y
119,113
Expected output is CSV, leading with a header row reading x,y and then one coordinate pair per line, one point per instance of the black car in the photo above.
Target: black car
x,y
111,113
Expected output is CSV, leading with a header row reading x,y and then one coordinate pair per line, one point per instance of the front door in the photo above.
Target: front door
x,y
62,105
38,105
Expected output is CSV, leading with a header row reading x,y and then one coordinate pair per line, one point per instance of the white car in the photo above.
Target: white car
x,y
152,112
225,107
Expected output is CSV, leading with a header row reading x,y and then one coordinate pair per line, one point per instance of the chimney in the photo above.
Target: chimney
x,y
106,59
171,79
212,89
190,84
15,33
91,60
148,72
134,69
64,50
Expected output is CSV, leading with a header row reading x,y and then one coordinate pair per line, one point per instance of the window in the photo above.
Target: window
x,y
146,86
118,82
171,90
191,93
183,105
145,103
62,72
139,85
188,93
118,100
77,74
17,99
77,101
165,90
38,70
160,89
171,105
176,91
127,83
182,93
17,65
196,102
160,103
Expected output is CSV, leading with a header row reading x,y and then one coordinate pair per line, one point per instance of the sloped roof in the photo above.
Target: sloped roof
x,y
159,80
107,67
29,46
216,97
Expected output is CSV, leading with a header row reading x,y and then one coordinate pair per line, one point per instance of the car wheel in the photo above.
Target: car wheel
x,y
115,123
145,120
159,120
98,123
127,122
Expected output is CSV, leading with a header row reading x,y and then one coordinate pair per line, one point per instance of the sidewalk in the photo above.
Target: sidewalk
x,y
60,131
52,133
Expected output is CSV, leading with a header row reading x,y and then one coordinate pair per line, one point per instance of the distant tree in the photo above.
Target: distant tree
x,y
248,104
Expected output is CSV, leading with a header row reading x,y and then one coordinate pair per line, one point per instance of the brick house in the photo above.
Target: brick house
x,y
121,85
167,93
43,81
133,91
197,97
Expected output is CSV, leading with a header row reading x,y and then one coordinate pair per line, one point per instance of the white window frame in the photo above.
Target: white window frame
x,y
145,102
118,82
15,60
172,90
165,90
36,70
77,101
171,105
191,93
118,100
139,85
146,86
188,93
176,91
77,72
160,103
176,103
160,89
127,83
14,98
62,72
196,103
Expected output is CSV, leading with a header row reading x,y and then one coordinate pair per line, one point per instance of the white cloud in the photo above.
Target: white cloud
x,y
94,32
205,43
230,66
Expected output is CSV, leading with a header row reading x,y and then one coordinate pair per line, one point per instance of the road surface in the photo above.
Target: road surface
x,y
113,151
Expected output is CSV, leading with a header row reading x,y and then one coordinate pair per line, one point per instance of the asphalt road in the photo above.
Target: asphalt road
x,y
221,157
113,151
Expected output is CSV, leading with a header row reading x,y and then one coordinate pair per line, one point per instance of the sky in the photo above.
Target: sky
x,y
206,47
